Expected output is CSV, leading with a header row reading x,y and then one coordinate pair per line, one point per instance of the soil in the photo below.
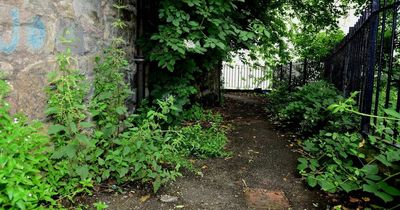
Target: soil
x,y
262,158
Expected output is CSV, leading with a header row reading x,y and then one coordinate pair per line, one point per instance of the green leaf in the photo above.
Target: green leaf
x,y
156,184
86,125
122,171
349,186
393,155
374,177
104,95
83,171
302,166
385,197
389,189
84,140
392,113
73,127
327,186
175,22
381,158
371,187
374,188
312,181
139,144
54,129
193,24
105,175
51,111
65,151
370,169
121,110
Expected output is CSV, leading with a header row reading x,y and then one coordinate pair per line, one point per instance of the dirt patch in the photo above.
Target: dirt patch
x,y
261,159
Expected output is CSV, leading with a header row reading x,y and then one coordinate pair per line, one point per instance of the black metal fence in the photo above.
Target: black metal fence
x,y
367,61
296,74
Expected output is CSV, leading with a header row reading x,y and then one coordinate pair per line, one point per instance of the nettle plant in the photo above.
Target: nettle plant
x,y
111,92
346,161
71,133
306,108
96,139
24,151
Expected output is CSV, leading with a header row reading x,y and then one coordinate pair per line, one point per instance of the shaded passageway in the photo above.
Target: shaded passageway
x,y
260,174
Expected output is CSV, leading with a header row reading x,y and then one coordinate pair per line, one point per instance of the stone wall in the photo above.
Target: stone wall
x,y
31,33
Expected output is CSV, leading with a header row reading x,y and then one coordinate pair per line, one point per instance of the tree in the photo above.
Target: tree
x,y
193,37
316,46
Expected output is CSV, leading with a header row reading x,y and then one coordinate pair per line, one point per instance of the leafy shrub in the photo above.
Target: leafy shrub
x,y
23,161
68,110
278,98
203,133
330,160
307,108
110,91
339,158
346,161
150,146
145,153
202,142
165,84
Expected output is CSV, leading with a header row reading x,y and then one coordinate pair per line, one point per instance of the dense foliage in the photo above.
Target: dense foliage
x,y
118,145
336,157
94,139
316,46
24,152
190,39
306,108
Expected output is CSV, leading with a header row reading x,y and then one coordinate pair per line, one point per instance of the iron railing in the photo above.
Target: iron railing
x,y
366,60
295,74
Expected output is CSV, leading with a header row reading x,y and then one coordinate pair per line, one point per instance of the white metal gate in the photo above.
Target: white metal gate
x,y
245,77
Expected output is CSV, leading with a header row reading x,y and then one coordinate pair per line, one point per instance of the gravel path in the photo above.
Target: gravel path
x,y
262,165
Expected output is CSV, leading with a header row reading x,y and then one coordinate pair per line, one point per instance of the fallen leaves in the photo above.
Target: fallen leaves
x,y
144,198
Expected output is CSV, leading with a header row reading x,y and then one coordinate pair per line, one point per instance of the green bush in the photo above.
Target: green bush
x,y
203,133
70,132
278,98
338,158
306,108
23,161
203,142
145,153
150,146
346,161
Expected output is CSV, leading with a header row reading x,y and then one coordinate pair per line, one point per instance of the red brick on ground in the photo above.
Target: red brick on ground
x,y
265,199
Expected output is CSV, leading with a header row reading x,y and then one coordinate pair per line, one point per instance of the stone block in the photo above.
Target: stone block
x,y
266,199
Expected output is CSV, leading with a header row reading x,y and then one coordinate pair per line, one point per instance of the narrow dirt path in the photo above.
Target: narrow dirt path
x,y
261,160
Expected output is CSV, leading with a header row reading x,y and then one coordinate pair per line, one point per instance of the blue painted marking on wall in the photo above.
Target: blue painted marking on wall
x,y
12,45
36,34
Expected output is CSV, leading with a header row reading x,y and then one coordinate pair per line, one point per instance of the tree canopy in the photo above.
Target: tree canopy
x,y
190,28
194,36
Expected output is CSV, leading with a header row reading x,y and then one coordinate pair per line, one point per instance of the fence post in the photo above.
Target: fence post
x,y
369,82
290,75
305,71
380,63
345,71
